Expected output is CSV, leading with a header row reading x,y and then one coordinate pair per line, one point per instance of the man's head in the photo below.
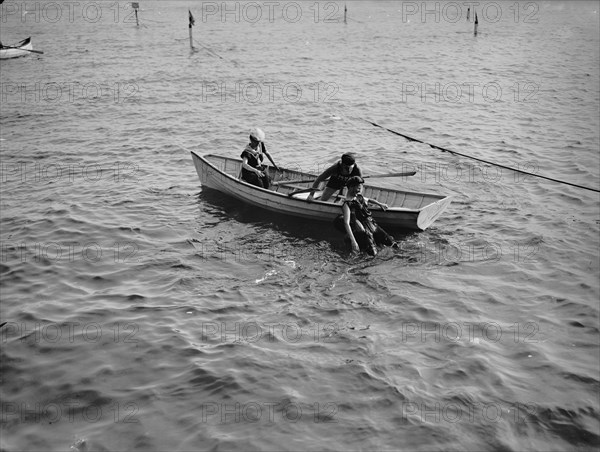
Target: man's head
x,y
348,159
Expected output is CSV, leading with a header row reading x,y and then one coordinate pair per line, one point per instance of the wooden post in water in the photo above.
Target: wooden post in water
x,y
135,6
476,23
191,24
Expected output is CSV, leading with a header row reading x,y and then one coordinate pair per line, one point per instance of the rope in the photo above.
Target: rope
x,y
478,159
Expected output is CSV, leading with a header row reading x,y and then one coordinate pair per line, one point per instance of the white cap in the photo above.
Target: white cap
x,y
257,134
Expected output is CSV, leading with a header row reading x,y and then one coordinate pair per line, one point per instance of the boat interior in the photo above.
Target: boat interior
x,y
289,182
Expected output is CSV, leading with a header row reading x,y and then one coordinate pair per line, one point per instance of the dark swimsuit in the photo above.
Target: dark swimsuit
x,y
338,180
255,161
371,233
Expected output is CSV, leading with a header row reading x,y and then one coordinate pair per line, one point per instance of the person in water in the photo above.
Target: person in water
x,y
337,175
356,221
253,171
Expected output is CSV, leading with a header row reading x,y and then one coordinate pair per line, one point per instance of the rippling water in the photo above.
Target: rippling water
x,y
144,312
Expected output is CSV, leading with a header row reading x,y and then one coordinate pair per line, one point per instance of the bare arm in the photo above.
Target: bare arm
x,y
249,168
348,228
323,176
377,203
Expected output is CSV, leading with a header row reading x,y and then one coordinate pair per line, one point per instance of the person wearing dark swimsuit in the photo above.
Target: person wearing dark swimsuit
x,y
253,170
357,222
336,175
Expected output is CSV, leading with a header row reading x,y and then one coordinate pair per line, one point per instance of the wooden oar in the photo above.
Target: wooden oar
x,y
303,181
406,173
18,48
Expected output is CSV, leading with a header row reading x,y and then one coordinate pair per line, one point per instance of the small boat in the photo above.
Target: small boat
x,y
18,50
407,210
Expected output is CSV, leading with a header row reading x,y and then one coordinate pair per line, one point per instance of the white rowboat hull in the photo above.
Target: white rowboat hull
x,y
408,210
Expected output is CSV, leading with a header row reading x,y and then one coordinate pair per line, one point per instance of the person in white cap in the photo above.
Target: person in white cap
x,y
253,171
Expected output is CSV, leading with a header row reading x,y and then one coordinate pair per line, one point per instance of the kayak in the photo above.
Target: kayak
x,y
288,195
21,49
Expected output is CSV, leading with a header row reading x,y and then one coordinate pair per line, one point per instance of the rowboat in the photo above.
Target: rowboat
x,y
20,49
407,210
